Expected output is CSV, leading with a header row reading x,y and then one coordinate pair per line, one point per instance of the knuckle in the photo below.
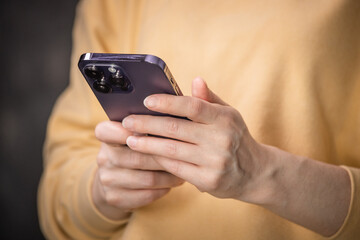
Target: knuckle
x,y
178,182
210,181
225,119
105,178
175,167
101,159
119,157
228,116
149,179
112,198
224,162
225,139
149,196
231,112
172,127
230,142
196,107
213,183
135,160
171,149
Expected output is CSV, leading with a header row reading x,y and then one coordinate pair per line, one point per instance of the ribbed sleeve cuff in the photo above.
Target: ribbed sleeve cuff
x,y
351,226
90,218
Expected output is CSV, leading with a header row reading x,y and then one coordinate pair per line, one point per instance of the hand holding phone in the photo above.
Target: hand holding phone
x,y
126,179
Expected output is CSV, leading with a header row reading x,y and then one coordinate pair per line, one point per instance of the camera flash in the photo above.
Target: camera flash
x,y
112,69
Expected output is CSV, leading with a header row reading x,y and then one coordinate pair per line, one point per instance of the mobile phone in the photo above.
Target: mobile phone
x,y
121,82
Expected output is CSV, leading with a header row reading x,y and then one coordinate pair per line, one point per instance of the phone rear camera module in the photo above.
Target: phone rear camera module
x,y
119,81
101,86
93,72
112,69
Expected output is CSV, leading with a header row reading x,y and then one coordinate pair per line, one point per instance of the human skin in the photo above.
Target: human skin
x,y
126,179
216,153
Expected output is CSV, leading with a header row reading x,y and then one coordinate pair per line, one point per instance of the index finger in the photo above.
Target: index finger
x,y
193,108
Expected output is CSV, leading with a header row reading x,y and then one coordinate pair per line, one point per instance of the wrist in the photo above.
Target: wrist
x,y
310,193
261,185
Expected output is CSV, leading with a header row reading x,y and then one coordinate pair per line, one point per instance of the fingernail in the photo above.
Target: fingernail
x,y
128,122
150,102
131,141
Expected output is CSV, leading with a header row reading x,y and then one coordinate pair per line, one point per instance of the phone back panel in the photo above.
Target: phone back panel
x,y
146,75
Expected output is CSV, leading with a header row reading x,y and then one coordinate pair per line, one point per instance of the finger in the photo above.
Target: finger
x,y
202,91
187,171
124,157
194,109
165,148
131,199
112,132
170,127
138,179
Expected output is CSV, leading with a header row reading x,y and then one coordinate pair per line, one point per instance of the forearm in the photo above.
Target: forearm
x,y
310,193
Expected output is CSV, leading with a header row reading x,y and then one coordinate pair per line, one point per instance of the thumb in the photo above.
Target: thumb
x,y
201,90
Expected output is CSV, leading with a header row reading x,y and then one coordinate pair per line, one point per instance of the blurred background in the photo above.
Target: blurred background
x,y
35,46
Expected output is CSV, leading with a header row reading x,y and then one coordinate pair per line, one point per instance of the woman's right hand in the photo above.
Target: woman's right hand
x,y
125,179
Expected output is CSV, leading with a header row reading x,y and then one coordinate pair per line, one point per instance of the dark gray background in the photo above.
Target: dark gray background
x,y
35,45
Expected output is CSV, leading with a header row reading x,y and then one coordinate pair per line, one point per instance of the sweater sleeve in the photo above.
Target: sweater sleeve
x,y
351,226
65,206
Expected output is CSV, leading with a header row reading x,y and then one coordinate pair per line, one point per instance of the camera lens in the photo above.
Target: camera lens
x,y
119,81
93,72
101,86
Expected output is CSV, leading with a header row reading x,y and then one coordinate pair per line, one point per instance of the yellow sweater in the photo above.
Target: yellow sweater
x,y
291,68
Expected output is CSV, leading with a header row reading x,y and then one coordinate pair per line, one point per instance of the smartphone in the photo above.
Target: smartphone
x,y
121,82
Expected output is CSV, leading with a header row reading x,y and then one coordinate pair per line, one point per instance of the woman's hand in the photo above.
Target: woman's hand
x,y
214,151
126,179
